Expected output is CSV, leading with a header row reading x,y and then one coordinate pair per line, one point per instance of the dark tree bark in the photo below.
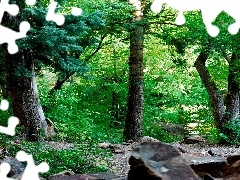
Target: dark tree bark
x,y
23,92
216,99
114,120
232,98
59,83
21,84
5,92
4,87
133,123
222,113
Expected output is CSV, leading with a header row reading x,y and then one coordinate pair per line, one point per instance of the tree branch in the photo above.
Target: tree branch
x,y
100,45
225,55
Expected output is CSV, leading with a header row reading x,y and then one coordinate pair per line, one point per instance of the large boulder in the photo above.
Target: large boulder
x,y
218,168
158,161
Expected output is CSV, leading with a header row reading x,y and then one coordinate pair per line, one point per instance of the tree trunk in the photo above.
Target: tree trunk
x,y
114,120
133,123
3,80
23,92
232,98
21,84
216,99
222,113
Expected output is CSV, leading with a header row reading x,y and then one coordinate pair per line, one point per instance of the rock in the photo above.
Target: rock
x,y
147,139
215,169
179,147
63,173
191,126
211,167
173,128
232,159
122,148
158,161
118,151
104,145
106,176
193,139
215,152
17,168
72,177
208,177
92,176
116,148
234,168
232,177
193,159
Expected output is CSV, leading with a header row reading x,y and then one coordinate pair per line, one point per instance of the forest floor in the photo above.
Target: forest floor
x,y
119,162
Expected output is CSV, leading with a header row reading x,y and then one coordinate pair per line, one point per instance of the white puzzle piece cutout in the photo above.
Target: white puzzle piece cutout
x,y
31,171
51,16
31,2
4,170
7,35
76,11
210,9
4,105
12,9
12,121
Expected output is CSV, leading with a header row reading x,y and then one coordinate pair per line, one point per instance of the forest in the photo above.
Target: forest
x,y
114,74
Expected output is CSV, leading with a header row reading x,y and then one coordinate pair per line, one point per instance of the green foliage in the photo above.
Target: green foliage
x,y
90,110
81,158
234,128
60,47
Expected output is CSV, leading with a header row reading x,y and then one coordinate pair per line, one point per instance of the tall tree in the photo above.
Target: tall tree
x,y
223,47
226,112
22,84
46,45
133,123
23,92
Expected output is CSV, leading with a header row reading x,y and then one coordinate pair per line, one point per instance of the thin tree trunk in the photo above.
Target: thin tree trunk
x,y
114,120
133,123
60,82
216,99
222,113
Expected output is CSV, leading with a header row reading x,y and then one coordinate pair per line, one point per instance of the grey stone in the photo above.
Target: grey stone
x,y
216,168
17,168
90,176
158,161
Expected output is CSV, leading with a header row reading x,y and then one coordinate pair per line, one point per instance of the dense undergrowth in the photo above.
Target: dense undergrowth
x,y
84,113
